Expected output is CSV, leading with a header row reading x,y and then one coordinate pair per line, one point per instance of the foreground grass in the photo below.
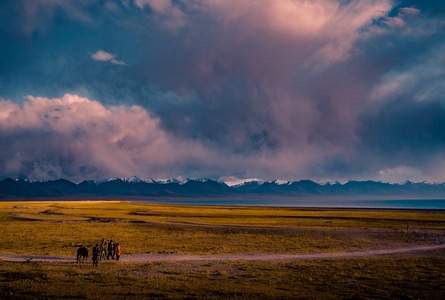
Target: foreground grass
x,y
376,278
58,228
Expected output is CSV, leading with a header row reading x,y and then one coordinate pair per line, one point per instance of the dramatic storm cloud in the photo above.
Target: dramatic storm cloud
x,y
269,89
77,137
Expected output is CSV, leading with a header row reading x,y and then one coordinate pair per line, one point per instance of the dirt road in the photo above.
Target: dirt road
x,y
161,257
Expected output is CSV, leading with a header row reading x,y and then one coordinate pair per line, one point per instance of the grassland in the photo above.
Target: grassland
x,y
58,228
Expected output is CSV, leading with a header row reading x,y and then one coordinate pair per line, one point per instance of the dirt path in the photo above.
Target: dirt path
x,y
154,257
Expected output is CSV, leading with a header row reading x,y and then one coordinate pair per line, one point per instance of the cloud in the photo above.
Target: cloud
x,y
410,11
78,138
399,174
295,92
403,13
168,13
105,56
37,16
324,28
160,6
265,78
232,180
265,89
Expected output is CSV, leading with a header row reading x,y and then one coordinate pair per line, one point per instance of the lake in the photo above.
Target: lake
x,y
312,202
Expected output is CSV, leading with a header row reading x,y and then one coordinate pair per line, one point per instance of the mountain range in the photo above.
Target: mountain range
x,y
136,188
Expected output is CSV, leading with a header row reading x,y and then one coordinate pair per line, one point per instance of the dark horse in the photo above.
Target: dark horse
x,y
82,254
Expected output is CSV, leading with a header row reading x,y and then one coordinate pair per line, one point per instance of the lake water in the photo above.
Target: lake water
x,y
436,204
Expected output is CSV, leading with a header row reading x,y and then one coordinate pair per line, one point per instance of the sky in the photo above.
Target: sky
x,y
232,90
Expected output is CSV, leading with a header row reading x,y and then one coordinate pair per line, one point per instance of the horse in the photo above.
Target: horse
x,y
82,254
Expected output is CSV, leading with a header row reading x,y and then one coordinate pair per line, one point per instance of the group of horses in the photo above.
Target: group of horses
x,y
83,253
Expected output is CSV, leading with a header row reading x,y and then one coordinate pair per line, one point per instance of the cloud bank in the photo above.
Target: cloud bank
x,y
80,138
271,89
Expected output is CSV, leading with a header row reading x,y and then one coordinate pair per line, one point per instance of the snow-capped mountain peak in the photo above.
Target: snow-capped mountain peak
x,y
133,179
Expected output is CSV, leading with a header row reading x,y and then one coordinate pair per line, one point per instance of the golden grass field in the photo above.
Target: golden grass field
x,y
58,228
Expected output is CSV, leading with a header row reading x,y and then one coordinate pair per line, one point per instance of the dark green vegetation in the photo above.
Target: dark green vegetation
x,y
51,228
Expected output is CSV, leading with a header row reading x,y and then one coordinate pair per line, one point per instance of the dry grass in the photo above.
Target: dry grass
x,y
384,278
56,228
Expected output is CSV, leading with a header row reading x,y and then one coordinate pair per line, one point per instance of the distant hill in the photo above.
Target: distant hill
x,y
133,187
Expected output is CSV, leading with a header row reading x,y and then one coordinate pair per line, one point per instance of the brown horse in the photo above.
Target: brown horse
x,y
82,254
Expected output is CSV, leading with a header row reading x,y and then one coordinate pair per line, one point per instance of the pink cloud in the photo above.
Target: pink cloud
x,y
271,87
317,20
105,56
404,13
99,140
300,17
292,107
395,22
77,138
410,11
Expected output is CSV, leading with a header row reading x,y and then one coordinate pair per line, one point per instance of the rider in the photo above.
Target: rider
x,y
118,251
110,250
103,250
95,255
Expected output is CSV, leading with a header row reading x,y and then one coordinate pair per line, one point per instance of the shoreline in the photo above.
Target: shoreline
x,y
337,203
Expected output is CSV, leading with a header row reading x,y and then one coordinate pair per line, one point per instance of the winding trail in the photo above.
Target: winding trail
x,y
161,257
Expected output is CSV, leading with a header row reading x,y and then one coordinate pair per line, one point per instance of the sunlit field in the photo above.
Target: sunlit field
x,y
59,228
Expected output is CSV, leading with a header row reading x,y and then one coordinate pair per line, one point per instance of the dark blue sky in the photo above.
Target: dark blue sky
x,y
269,89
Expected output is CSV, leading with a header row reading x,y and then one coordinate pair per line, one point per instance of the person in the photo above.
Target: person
x,y
103,250
110,250
95,255
118,251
